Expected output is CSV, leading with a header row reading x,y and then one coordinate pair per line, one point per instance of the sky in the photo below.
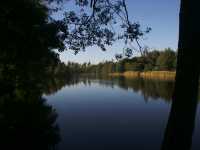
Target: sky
x,y
161,15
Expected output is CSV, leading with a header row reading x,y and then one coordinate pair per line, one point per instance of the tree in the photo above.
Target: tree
x,y
151,58
87,28
29,34
179,131
120,66
27,39
166,60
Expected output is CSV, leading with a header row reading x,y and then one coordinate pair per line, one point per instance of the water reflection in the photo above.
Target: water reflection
x,y
113,113
109,113
94,113
149,89
26,120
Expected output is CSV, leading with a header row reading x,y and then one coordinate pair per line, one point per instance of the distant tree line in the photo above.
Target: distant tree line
x,y
151,61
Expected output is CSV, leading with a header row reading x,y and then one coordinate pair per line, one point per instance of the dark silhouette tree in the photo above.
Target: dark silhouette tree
x,y
95,23
180,126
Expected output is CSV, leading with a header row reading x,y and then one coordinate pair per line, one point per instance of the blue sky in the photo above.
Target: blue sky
x,y
160,15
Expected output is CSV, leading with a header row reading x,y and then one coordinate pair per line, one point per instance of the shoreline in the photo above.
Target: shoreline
x,y
163,75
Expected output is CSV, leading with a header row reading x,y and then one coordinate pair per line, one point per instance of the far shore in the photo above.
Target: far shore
x,y
163,75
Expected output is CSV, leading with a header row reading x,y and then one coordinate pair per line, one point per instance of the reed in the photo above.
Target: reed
x,y
163,75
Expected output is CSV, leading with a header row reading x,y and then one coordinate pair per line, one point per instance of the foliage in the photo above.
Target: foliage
x,y
154,60
29,35
166,60
94,24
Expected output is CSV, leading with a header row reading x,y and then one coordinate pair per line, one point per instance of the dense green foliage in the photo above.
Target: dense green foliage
x,y
151,61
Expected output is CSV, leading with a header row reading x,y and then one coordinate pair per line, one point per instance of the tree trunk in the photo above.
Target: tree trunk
x,y
179,131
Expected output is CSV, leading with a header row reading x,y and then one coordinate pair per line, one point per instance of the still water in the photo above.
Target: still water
x,y
115,113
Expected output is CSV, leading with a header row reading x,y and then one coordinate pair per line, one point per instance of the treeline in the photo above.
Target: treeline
x,y
67,70
151,61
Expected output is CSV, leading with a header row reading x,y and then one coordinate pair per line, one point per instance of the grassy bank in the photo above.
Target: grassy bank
x,y
163,75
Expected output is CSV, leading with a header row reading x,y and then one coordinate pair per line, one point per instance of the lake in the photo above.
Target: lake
x,y
114,113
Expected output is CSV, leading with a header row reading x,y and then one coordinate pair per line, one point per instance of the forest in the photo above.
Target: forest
x,y
163,60
154,60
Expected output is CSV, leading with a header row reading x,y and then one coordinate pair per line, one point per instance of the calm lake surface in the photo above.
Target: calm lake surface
x,y
115,113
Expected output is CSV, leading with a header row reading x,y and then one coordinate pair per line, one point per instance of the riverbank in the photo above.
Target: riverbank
x,y
163,75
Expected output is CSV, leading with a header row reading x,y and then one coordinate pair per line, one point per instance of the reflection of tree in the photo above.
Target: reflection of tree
x,y
27,122
54,84
26,63
153,89
148,88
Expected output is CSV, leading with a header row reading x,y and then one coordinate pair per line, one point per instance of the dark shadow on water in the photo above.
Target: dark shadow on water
x,y
27,122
